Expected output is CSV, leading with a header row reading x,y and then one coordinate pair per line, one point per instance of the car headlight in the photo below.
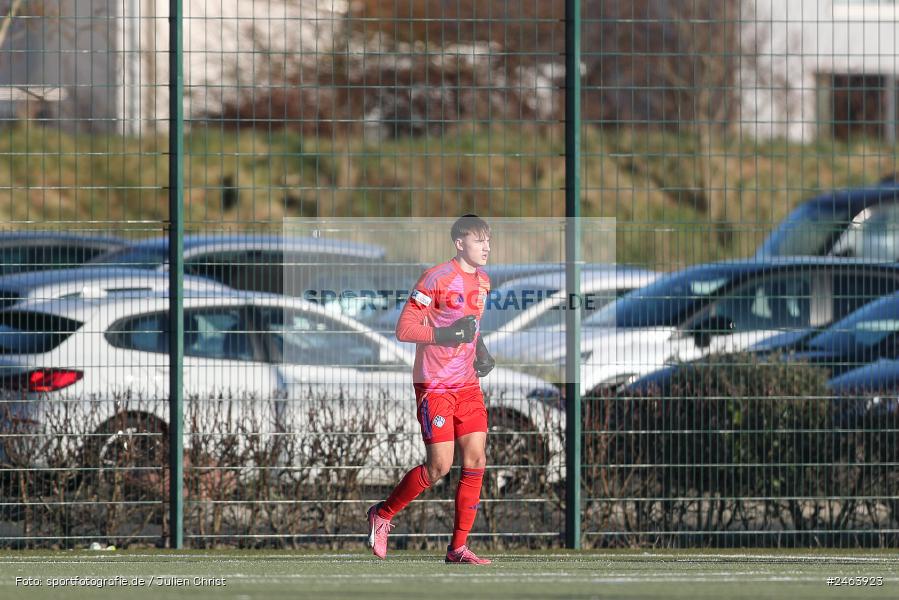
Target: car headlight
x,y
849,408
882,405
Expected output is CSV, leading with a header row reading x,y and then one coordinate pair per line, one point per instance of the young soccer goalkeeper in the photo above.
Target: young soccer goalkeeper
x,y
442,317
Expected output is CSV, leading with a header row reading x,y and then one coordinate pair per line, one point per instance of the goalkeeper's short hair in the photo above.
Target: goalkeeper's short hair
x,y
469,223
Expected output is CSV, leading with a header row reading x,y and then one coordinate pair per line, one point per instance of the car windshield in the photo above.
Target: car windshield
x,y
807,231
665,303
137,258
23,332
864,328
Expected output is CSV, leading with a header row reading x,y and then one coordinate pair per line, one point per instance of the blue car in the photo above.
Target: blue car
x,y
882,375
870,390
868,334
24,251
255,262
859,222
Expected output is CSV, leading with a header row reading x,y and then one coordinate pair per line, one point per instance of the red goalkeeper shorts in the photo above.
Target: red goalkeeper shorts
x,y
445,416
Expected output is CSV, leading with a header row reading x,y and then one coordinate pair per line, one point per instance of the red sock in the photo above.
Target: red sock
x,y
468,496
415,482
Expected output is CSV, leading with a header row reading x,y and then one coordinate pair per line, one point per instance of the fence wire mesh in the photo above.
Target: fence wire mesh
x,y
738,292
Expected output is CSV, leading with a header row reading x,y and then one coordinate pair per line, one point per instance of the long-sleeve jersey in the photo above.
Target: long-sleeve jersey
x,y
443,294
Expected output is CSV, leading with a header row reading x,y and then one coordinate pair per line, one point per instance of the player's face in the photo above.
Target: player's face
x,y
474,248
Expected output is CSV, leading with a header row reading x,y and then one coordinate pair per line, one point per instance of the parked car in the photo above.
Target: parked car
x,y
867,335
882,375
868,396
87,282
303,369
869,391
512,323
22,251
716,308
316,269
256,262
858,222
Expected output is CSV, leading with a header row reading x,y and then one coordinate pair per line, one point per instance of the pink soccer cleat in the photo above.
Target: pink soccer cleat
x,y
463,556
379,529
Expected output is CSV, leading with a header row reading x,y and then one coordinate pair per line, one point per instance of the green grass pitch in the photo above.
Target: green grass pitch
x,y
245,575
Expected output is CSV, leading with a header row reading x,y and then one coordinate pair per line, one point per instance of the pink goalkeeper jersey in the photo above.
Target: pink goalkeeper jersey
x,y
442,295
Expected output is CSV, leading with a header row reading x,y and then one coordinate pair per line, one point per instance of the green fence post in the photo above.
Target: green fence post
x,y
176,276
572,273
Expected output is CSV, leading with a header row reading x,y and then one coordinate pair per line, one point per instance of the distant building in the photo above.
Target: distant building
x,y
824,67
832,69
58,61
102,65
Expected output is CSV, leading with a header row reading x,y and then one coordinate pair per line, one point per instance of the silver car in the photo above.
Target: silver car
x,y
89,282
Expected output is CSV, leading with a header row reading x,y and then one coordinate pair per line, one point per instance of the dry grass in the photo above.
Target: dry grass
x,y
252,179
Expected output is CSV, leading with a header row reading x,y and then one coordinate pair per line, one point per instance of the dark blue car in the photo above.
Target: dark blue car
x,y
859,222
878,377
255,262
871,390
868,334
24,251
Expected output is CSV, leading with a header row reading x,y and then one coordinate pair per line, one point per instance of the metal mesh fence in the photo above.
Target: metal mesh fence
x,y
728,184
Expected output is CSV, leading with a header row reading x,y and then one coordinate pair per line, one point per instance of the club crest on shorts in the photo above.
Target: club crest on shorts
x,y
439,421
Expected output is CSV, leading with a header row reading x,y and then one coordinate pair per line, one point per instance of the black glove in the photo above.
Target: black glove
x,y
483,362
462,330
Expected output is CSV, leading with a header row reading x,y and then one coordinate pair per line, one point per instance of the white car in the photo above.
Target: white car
x,y
716,308
87,282
292,367
528,309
